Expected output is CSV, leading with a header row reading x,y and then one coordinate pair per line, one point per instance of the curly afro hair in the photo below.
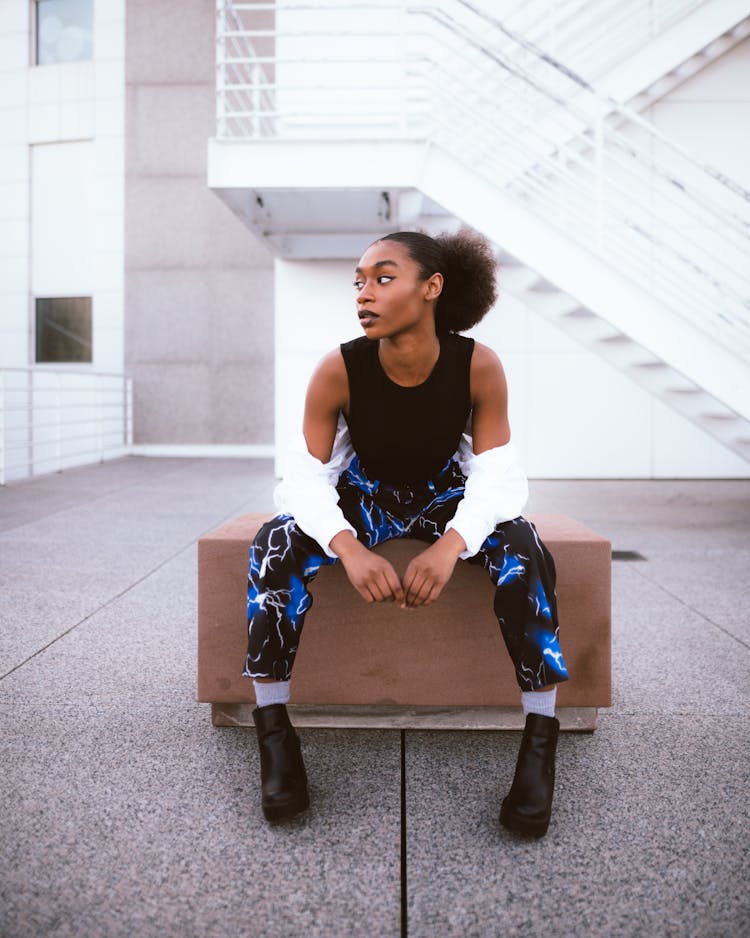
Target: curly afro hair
x,y
467,262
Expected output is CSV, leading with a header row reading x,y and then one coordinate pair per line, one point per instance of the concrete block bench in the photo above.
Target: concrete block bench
x,y
374,665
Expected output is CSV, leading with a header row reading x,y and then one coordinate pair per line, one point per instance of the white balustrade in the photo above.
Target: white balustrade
x,y
55,419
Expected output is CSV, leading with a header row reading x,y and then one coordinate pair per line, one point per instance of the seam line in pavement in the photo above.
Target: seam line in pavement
x,y
98,609
404,913
687,605
113,599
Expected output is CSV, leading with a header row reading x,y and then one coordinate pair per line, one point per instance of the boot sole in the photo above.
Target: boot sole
x,y
283,812
522,825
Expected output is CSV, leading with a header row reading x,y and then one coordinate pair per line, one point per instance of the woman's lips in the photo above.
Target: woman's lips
x,y
366,318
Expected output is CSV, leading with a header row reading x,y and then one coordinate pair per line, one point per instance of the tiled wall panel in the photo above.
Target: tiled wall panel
x,y
198,307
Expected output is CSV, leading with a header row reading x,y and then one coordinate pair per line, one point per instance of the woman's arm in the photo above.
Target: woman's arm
x,y
308,489
327,396
489,401
496,487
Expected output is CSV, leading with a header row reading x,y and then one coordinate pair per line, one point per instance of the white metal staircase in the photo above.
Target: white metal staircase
x,y
414,115
634,359
642,47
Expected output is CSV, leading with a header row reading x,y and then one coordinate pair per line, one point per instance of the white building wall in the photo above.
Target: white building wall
x,y
14,184
709,114
46,106
62,218
315,312
199,285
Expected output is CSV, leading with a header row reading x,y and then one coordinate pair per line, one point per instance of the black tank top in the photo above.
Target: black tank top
x,y
407,434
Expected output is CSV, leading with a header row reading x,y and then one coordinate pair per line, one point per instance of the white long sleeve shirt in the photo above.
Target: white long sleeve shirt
x,y
496,491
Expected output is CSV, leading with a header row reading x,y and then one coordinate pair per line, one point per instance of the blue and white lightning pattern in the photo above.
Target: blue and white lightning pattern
x,y
276,601
357,477
540,639
379,525
284,560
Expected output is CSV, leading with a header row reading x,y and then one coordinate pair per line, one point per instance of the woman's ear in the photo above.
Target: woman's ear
x,y
433,287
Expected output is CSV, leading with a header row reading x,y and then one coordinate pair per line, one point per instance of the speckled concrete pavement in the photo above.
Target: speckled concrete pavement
x,y
126,813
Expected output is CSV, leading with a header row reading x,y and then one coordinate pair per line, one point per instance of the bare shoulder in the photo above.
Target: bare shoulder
x,y
486,368
489,400
329,382
484,357
327,396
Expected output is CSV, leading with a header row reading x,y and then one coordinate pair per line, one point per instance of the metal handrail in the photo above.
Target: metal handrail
x,y
49,432
43,369
536,130
619,239
248,60
609,104
117,419
635,151
94,435
593,38
82,457
70,405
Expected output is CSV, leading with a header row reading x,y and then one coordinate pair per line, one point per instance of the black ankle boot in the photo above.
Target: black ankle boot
x,y
527,808
282,771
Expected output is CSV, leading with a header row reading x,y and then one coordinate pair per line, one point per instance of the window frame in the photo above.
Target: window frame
x,y
34,334
34,37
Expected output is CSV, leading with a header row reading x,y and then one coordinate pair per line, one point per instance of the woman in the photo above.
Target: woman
x,y
406,433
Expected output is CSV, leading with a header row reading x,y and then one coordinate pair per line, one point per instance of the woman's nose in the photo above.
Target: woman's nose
x,y
365,292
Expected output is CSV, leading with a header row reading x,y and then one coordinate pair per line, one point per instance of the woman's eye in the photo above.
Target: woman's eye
x,y
383,278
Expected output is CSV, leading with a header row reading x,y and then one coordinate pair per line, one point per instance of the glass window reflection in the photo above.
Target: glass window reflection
x,y
64,31
63,329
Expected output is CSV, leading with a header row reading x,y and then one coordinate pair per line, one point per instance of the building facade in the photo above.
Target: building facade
x,y
117,257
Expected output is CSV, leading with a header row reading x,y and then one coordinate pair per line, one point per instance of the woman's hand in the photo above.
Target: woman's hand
x,y
371,575
429,571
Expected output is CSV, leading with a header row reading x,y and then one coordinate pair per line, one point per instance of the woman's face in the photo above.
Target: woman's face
x,y
391,297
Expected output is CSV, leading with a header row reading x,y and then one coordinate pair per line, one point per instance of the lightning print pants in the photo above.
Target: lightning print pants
x,y
284,560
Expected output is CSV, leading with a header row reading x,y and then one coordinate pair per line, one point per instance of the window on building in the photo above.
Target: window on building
x,y
63,329
64,31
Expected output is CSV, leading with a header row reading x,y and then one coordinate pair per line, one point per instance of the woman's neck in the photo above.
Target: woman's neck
x,y
408,359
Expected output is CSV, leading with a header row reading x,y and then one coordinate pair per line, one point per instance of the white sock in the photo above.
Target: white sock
x,y
539,701
274,692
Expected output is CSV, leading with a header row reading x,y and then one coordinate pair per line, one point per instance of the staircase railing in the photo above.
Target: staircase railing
x,y
244,84
529,125
590,38
597,172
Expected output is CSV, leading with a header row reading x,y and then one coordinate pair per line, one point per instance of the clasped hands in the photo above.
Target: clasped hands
x,y
375,579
